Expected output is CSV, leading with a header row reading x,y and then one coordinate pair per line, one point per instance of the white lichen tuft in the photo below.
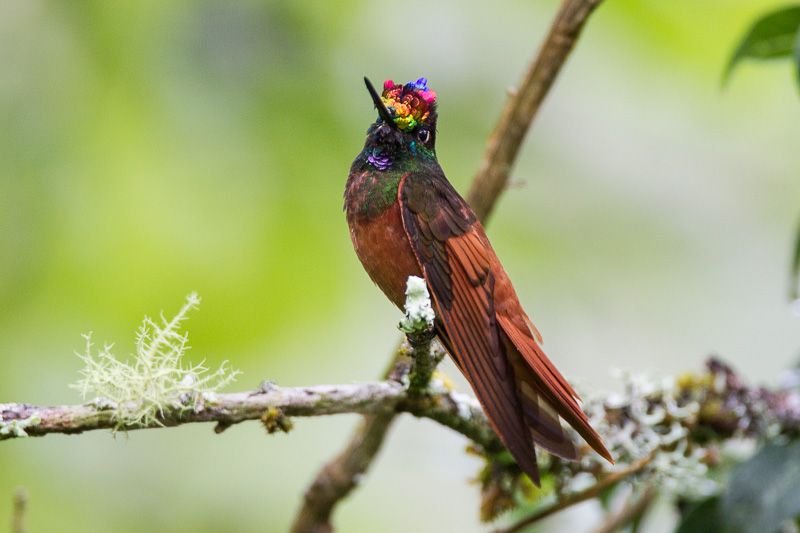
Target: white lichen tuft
x,y
16,428
648,419
419,314
155,380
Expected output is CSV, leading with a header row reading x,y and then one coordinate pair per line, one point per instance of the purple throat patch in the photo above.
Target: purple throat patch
x,y
379,161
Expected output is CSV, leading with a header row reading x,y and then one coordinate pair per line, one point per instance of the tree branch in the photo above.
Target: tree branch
x,y
520,110
341,475
577,497
449,408
655,428
225,409
631,512
717,404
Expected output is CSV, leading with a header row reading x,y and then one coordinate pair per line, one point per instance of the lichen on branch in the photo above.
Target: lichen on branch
x,y
137,392
418,325
419,313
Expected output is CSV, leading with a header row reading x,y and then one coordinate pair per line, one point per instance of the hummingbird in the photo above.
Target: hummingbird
x,y
406,219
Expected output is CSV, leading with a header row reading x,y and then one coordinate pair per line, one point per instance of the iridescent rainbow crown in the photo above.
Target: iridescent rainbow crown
x,y
412,103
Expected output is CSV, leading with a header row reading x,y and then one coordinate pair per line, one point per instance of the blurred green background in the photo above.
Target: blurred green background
x,y
152,149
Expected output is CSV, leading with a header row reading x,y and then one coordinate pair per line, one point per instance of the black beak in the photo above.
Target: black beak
x,y
379,105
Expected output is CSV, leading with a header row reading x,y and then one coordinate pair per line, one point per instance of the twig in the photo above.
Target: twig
x,y
418,325
582,496
340,476
521,109
20,505
424,366
630,512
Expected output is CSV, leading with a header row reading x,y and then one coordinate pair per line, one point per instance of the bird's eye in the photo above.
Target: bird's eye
x,y
423,135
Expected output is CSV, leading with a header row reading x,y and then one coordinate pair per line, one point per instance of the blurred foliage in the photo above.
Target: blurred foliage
x,y
761,495
152,149
701,517
773,36
764,492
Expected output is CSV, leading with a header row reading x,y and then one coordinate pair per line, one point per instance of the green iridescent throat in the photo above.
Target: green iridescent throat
x,y
377,192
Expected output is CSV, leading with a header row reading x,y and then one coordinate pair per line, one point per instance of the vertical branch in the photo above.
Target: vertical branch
x,y
519,112
340,476
416,359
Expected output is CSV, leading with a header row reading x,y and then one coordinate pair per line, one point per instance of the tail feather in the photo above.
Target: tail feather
x,y
537,415
548,389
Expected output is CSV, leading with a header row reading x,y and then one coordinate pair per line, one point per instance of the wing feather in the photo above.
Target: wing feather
x,y
523,394
464,308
